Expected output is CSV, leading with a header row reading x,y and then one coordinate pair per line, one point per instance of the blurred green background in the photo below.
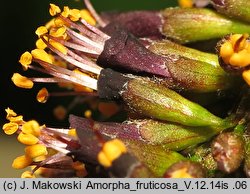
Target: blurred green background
x,y
19,20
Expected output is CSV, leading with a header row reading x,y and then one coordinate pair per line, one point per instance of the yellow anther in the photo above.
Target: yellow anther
x,y
66,11
27,139
38,171
52,58
27,174
54,9
74,14
10,113
41,31
31,127
10,128
103,159
59,32
240,59
60,112
239,42
181,173
34,151
40,44
12,116
236,50
50,24
112,150
185,3
42,95
22,81
226,51
243,43
41,55
25,60
39,158
59,46
72,132
85,14
21,162
115,143
246,76
18,119
234,38
88,114
58,22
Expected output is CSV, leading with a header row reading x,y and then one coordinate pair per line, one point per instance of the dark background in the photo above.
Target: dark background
x,y
19,20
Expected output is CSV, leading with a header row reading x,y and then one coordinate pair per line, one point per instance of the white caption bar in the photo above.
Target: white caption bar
x,y
137,186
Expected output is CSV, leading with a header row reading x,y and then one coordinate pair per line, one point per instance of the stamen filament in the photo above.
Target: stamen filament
x,y
97,46
47,80
69,75
65,131
49,72
94,13
77,47
102,35
72,60
82,58
81,29
62,150
61,94
89,48
38,69
47,161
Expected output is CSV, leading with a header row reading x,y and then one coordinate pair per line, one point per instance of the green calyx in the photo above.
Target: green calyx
x,y
247,157
156,158
191,69
159,102
174,136
166,48
199,24
239,9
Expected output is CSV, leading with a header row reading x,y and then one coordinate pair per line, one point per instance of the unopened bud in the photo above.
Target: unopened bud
x,y
228,151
